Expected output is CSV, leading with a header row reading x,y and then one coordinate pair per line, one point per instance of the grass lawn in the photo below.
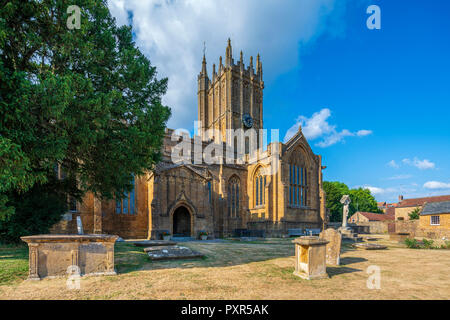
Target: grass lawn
x,y
241,270
13,264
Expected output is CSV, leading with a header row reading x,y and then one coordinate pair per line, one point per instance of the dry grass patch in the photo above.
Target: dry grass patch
x,y
256,270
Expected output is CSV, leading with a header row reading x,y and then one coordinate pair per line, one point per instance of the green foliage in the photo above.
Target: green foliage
x,y
425,244
428,244
36,211
446,245
85,98
412,243
361,199
414,215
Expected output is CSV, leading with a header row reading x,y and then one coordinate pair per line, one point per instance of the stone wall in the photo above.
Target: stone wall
x,y
377,227
431,231
409,226
404,212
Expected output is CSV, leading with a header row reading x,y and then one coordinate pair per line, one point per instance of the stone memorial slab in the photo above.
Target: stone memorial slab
x,y
171,252
333,247
154,243
369,246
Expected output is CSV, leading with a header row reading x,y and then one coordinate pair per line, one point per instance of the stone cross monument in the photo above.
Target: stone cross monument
x,y
345,201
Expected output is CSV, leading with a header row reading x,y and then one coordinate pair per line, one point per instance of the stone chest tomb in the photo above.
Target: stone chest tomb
x,y
310,258
54,255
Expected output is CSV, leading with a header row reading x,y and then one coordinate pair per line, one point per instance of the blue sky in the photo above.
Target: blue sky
x,y
374,103
394,82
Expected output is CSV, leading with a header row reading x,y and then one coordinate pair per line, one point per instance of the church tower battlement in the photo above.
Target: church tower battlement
x,y
232,98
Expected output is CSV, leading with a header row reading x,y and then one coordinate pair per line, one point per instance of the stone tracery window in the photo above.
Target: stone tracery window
x,y
259,183
127,203
298,186
233,197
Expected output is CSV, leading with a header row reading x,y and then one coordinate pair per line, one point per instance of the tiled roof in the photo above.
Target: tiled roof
x,y
390,211
421,201
376,216
436,208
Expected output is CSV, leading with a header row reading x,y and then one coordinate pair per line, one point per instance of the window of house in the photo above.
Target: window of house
x,y
435,220
298,186
233,197
259,189
126,205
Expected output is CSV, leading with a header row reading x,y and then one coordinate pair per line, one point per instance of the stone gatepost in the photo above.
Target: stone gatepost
x,y
310,258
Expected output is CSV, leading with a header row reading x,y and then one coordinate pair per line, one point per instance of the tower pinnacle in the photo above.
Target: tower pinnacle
x,y
228,54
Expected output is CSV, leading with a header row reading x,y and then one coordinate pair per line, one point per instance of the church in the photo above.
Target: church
x,y
184,198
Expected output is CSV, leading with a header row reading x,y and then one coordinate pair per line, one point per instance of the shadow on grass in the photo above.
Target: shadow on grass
x,y
334,271
350,260
129,258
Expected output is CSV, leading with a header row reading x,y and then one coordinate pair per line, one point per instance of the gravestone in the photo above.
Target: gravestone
x,y
171,252
154,243
369,246
333,248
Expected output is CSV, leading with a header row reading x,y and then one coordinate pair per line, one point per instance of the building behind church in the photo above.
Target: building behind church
x,y
189,196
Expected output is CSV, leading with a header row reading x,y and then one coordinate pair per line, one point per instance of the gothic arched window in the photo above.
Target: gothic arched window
x,y
233,197
125,205
298,186
259,183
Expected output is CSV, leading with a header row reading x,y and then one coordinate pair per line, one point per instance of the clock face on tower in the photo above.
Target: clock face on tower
x,y
247,120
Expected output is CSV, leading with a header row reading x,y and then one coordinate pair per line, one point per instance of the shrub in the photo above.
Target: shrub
x,y
414,215
36,211
428,244
412,243
446,245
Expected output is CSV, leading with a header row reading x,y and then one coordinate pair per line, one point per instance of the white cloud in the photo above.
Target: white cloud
x,y
421,164
171,35
436,185
375,190
400,177
363,133
393,164
318,127
313,127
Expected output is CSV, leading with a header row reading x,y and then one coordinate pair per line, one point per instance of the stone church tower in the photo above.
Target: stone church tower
x,y
231,99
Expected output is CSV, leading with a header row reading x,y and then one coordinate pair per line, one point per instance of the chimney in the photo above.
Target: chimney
x,y
400,198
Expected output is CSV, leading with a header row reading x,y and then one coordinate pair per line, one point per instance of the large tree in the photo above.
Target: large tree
x,y
361,199
85,98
